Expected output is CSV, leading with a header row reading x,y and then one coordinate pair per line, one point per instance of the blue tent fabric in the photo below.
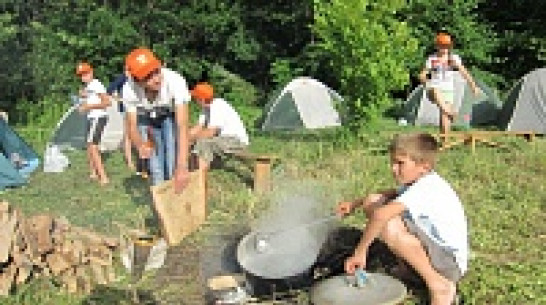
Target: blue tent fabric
x,y
9,176
13,146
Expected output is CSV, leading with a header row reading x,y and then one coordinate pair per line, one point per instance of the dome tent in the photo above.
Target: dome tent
x,y
525,106
305,103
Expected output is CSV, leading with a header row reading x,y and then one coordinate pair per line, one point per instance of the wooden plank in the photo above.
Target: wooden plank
x,y
262,176
180,214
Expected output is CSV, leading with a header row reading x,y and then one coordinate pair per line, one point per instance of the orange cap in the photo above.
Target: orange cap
x,y
83,68
141,62
203,91
443,39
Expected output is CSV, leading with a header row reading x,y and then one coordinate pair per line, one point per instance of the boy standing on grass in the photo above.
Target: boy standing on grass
x,y
157,100
95,102
440,67
422,221
220,129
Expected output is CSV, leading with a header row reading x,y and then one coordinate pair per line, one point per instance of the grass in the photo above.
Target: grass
x,y
503,191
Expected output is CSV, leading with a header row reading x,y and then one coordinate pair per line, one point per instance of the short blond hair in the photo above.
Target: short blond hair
x,y
420,147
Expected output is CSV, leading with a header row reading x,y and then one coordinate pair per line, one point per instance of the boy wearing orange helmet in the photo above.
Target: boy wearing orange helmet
x,y
220,129
95,101
157,99
441,67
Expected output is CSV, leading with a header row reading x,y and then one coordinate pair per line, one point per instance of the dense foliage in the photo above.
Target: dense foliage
x,y
370,51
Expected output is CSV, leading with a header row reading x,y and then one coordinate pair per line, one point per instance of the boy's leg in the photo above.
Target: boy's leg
x,y
93,139
97,161
446,111
92,169
91,125
409,247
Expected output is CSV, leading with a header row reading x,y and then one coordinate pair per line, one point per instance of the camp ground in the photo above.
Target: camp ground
x,y
471,110
327,94
17,159
304,103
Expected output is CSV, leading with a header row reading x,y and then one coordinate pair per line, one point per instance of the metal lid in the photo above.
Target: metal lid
x,y
280,255
379,289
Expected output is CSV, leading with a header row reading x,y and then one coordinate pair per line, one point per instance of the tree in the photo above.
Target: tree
x,y
368,48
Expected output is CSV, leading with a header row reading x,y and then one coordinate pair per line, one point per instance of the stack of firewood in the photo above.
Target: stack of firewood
x,y
45,246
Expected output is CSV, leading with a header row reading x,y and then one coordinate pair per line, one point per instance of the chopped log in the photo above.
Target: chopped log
x,y
7,232
6,279
70,283
98,274
83,280
23,273
4,211
40,227
57,263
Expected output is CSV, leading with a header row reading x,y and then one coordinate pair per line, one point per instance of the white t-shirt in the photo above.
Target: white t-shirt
x,y
93,89
435,208
221,115
173,91
442,75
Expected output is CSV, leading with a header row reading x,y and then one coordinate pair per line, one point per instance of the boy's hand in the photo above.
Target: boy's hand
x,y
477,91
83,108
181,179
344,208
145,151
358,260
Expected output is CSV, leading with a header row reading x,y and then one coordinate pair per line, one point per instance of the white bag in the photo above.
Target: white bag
x,y
54,160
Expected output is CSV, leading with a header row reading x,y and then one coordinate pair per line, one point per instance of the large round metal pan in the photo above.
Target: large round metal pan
x,y
279,255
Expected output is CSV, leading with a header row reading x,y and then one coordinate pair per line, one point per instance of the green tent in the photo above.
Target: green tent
x,y
304,103
17,159
472,110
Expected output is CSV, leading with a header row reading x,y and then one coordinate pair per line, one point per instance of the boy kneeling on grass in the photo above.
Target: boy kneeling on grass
x,y
422,222
220,129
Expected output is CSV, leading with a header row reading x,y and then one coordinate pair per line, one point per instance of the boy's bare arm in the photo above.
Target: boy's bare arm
x,y
104,103
379,219
204,132
376,199
134,135
423,76
466,75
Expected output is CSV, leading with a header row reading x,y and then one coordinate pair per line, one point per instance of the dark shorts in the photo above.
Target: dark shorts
x,y
441,260
95,128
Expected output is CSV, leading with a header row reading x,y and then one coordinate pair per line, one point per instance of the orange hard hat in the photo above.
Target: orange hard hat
x,y
203,91
443,39
83,68
141,62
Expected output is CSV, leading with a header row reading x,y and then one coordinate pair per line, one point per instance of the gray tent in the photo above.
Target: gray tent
x,y
472,110
70,131
525,106
303,103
